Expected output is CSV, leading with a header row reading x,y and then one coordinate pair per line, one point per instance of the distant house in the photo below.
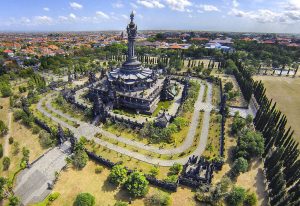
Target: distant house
x,y
199,39
225,42
217,46
9,52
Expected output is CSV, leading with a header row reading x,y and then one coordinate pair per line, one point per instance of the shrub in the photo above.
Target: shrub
x,y
175,169
53,196
136,184
118,175
159,199
240,165
154,171
13,201
6,91
15,148
35,129
6,163
3,128
172,179
19,114
98,169
11,140
120,203
84,199
228,86
236,196
250,144
45,139
25,153
250,200
79,159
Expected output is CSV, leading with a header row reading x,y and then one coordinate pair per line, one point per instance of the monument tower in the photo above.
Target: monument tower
x,y
132,76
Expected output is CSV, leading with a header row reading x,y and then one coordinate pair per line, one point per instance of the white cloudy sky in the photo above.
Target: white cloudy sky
x,y
213,15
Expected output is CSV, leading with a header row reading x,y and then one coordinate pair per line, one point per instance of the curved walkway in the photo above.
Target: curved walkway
x,y
89,131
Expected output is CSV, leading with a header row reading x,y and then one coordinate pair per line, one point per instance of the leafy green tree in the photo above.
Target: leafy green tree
x,y
79,158
249,119
3,128
171,178
240,165
250,200
6,91
120,203
154,171
250,145
230,67
2,184
118,175
236,196
237,125
175,169
158,199
84,199
6,163
25,153
137,184
228,86
13,201
45,139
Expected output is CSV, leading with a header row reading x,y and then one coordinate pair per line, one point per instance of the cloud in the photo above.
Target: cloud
x,y
235,3
207,7
151,3
25,20
37,20
293,5
72,16
288,13
75,5
102,15
46,9
118,5
133,5
178,5
125,16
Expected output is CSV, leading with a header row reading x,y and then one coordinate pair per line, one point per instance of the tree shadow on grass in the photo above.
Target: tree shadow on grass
x,y
108,187
124,196
260,186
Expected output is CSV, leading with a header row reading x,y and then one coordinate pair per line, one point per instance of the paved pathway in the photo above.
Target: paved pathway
x,y
7,136
32,183
89,131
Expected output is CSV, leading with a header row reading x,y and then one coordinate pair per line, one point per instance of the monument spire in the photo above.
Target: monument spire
x,y
132,32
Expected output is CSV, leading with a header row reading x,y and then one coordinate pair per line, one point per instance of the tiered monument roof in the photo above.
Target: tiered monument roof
x,y
132,72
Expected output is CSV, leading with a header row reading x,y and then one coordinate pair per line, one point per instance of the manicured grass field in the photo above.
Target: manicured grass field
x,y
285,91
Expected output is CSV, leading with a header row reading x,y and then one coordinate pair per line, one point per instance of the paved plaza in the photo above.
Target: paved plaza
x,y
32,183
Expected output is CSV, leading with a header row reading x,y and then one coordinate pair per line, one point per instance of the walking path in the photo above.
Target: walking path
x,y
7,136
88,130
